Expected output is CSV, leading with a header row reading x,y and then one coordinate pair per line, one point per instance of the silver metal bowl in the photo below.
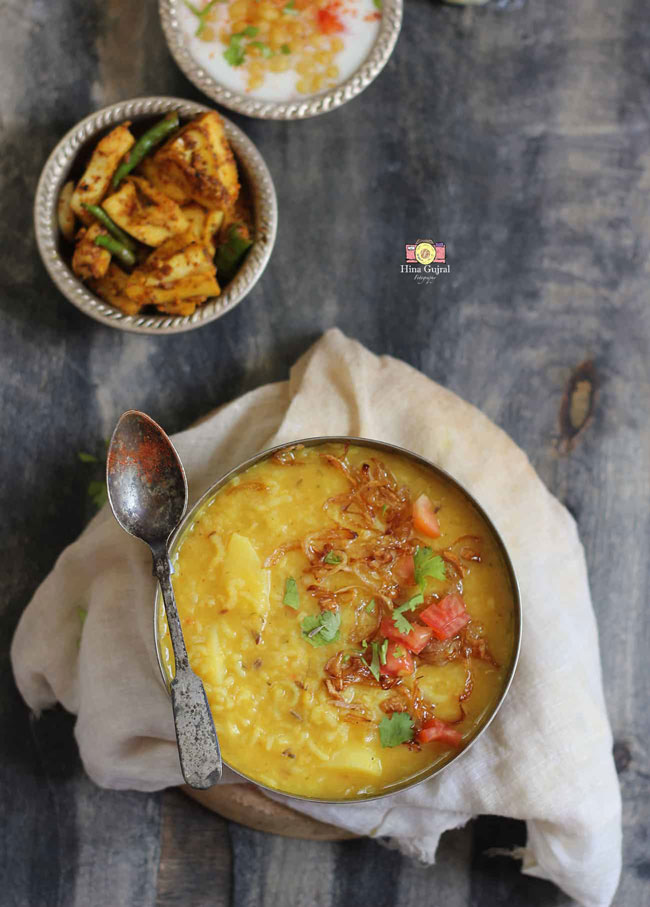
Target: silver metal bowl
x,y
312,105
253,172
192,514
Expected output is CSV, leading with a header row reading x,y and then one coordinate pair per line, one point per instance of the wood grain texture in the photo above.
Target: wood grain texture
x,y
195,856
516,133
247,805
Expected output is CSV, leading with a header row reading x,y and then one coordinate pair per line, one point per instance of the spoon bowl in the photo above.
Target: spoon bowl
x,y
146,482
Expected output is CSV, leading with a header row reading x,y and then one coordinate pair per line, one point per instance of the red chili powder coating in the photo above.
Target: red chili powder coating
x,y
328,19
149,454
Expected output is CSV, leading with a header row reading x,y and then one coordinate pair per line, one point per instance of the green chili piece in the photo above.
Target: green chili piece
x,y
231,253
111,226
116,248
145,143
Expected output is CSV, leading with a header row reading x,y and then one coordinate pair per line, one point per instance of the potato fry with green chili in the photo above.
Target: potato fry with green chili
x,y
157,221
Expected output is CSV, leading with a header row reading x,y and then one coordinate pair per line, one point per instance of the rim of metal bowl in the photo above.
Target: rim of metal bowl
x,y
426,774
312,105
55,173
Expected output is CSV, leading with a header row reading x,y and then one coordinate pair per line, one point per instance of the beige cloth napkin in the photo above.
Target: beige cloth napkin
x,y
547,756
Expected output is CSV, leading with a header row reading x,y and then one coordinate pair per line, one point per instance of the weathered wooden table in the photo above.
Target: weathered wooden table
x,y
519,135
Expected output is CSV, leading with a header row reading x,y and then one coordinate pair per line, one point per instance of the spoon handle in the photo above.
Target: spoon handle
x,y
198,746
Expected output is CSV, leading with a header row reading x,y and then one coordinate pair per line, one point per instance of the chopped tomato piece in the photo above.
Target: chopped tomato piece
x,y
328,21
441,732
424,517
399,660
446,617
405,569
415,640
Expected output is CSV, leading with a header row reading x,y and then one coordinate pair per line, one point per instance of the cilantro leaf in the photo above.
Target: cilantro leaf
x,y
412,603
97,491
377,4
402,624
264,49
374,664
331,558
370,607
285,49
200,14
290,10
321,629
396,729
234,53
427,564
383,652
291,596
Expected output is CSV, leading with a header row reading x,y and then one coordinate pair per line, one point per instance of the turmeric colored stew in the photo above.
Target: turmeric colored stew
x,y
163,226
351,616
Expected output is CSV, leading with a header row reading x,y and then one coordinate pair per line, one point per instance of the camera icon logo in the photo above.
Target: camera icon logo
x,y
426,252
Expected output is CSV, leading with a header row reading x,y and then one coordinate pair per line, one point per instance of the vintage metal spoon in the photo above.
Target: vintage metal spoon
x,y
147,491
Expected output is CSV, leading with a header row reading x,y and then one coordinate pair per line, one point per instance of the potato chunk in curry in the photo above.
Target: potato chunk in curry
x,y
90,260
96,180
203,224
144,212
200,163
176,277
112,288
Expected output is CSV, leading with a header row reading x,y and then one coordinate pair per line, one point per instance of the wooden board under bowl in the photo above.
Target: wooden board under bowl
x,y
245,804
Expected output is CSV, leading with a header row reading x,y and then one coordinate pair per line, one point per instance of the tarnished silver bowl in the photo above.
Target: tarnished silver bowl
x,y
253,172
310,105
192,514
